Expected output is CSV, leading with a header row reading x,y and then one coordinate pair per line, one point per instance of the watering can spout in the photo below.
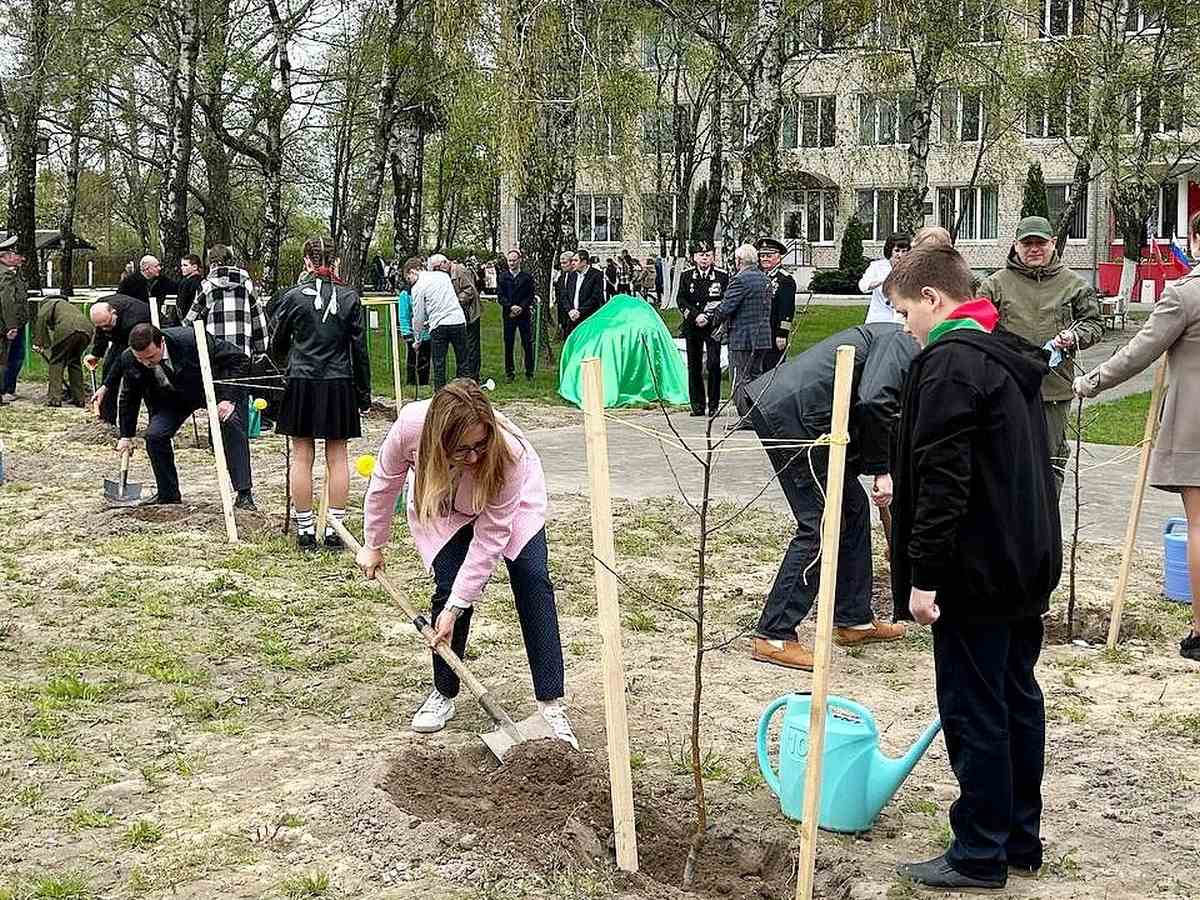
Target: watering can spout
x,y
887,774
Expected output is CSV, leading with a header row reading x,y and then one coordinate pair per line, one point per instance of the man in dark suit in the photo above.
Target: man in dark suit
x,y
514,290
147,282
114,317
747,310
701,290
783,298
584,291
163,368
562,301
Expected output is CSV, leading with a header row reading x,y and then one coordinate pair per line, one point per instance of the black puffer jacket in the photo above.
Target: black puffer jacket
x,y
975,514
795,400
323,343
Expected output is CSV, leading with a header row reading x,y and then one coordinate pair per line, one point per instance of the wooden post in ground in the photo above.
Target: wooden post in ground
x,y
323,509
615,714
831,533
397,380
154,320
1135,509
214,427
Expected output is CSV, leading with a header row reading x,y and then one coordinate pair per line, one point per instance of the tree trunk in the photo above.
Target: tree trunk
x,y
406,153
22,125
66,226
912,198
760,161
176,238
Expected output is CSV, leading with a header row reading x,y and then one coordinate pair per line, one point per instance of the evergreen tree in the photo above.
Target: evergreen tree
x,y
852,263
1034,202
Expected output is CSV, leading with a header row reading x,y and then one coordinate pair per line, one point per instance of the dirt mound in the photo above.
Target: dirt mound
x,y
550,807
192,517
92,431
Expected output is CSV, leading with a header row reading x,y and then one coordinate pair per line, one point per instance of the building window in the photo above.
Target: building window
x,y
980,20
651,49
816,31
885,120
976,211
1148,110
1059,116
1062,18
599,217
810,122
659,216
878,210
961,114
600,134
1140,20
809,215
1166,217
1057,197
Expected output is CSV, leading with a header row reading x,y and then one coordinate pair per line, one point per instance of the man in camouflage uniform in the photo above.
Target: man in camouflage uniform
x,y
14,299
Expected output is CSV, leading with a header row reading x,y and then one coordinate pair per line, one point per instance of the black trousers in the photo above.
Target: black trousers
x,y
994,722
799,577
416,363
746,365
474,352
703,373
524,324
529,575
772,357
440,339
166,421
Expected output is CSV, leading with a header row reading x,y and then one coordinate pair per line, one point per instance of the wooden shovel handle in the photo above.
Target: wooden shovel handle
x,y
125,454
441,648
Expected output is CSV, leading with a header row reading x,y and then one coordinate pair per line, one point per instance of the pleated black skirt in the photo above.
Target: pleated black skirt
x,y
320,409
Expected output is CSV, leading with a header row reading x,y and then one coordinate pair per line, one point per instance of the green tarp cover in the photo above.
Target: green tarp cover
x,y
630,337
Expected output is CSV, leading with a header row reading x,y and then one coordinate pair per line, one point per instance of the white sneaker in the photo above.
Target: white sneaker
x,y
10,398
434,713
555,715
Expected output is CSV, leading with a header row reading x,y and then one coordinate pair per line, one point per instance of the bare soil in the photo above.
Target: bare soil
x,y
188,719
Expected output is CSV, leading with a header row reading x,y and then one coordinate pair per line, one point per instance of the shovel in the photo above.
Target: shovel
x,y
123,490
508,733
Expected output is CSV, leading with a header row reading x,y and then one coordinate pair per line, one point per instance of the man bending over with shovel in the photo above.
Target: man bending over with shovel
x,y
163,368
793,404
477,495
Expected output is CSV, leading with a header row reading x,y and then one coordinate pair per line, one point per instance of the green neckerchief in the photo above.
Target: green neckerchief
x,y
953,325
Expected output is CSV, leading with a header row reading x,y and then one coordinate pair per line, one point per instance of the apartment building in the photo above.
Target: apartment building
x,y
844,147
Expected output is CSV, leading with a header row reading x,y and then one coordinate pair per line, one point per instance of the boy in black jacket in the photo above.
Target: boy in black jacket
x,y
978,551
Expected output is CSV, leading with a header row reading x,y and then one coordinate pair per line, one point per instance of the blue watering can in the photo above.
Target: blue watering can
x,y
856,778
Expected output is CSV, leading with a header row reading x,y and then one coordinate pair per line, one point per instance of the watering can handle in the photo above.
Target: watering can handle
x,y
1169,527
764,759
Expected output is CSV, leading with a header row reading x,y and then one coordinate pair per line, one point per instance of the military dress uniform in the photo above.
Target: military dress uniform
x,y
701,291
14,304
783,304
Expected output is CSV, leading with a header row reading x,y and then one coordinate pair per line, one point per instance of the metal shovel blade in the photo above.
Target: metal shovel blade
x,y
503,739
119,492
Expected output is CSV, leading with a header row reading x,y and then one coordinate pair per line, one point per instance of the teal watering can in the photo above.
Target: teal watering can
x,y
857,779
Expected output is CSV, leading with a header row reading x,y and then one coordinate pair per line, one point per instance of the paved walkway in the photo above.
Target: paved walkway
x,y
639,470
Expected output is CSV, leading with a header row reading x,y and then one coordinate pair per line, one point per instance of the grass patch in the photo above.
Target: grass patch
x,y
67,886
310,884
142,834
71,689
714,766
86,817
1120,421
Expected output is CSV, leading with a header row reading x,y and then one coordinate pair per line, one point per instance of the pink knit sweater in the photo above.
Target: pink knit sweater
x,y
501,529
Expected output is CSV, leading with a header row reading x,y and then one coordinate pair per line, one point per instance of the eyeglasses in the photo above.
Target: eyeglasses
x,y
463,452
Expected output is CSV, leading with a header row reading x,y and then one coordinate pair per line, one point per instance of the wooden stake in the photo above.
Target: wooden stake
x,y
1135,509
154,312
609,614
397,379
831,533
214,427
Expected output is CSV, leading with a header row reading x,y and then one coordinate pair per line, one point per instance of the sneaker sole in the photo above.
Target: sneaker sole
x,y
773,661
434,729
874,639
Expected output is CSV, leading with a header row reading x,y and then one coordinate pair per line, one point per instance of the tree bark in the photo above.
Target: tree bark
x,y
176,239
406,154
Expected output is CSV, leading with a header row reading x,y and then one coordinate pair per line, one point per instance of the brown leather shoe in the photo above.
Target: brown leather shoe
x,y
791,655
877,633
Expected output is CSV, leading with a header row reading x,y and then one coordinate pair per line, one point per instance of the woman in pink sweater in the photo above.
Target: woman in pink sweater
x,y
477,494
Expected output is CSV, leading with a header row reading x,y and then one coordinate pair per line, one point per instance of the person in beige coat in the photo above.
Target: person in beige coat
x,y
1173,328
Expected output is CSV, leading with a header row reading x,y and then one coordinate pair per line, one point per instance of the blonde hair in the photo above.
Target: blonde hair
x,y
456,408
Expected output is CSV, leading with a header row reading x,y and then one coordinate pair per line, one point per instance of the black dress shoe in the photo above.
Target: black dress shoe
x,y
245,500
158,500
1189,647
306,541
333,541
938,873
697,413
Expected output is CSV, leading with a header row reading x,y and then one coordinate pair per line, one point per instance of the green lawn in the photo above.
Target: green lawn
x,y
1117,422
811,327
